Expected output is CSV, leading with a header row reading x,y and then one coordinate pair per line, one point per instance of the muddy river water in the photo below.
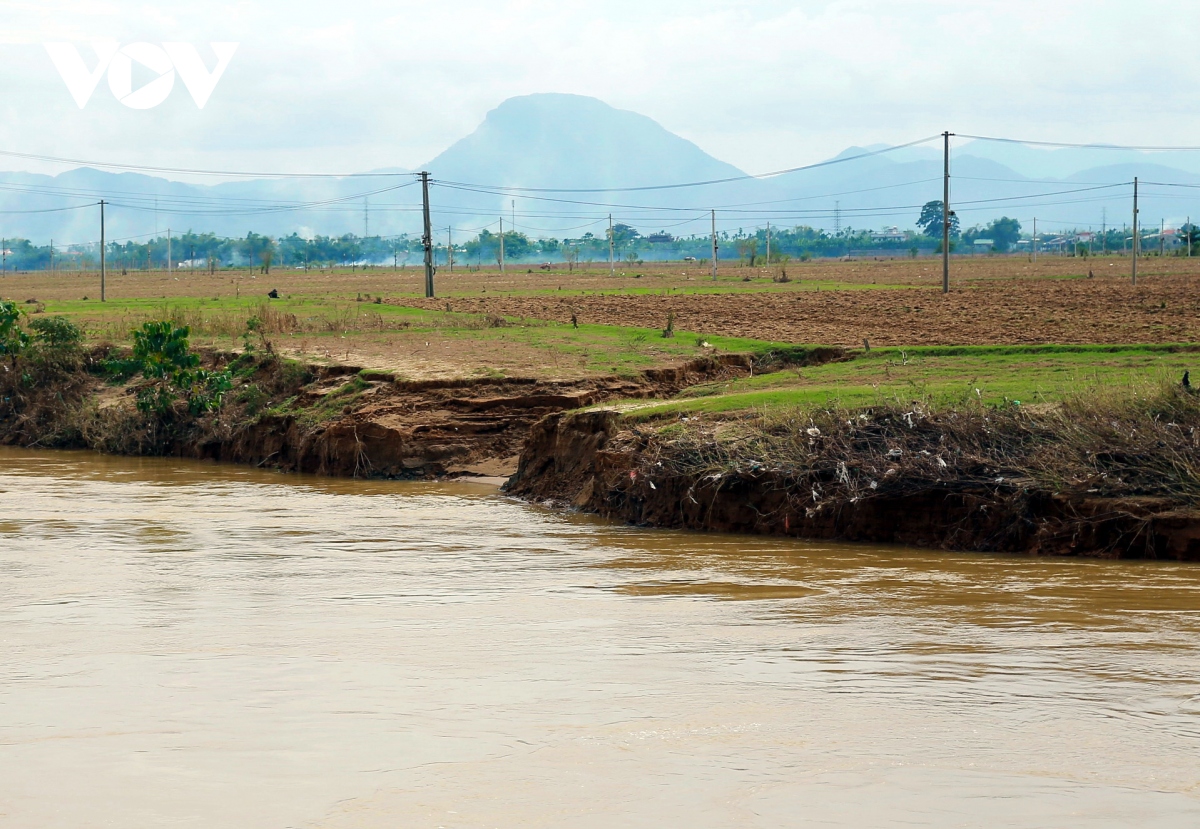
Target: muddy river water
x,y
190,645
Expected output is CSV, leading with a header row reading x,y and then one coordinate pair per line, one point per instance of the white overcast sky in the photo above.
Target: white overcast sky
x,y
763,84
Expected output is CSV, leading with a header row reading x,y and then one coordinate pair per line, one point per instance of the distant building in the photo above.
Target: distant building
x,y
660,238
889,234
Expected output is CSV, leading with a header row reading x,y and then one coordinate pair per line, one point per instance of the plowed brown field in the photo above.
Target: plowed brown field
x,y
1016,311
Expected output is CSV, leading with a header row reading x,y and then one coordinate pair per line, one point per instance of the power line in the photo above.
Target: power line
x,y
743,177
190,171
1079,146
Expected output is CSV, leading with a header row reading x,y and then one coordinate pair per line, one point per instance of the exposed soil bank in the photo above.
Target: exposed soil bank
x,y
331,420
596,462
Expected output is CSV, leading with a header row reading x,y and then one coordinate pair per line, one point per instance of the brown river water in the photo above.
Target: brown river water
x,y
191,645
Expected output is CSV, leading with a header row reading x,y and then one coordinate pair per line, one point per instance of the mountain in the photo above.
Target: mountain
x,y
562,163
569,141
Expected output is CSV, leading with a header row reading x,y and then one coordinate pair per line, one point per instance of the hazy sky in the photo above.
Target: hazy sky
x,y
763,84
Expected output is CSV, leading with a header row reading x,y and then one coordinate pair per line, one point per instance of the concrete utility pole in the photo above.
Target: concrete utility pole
x,y
1162,237
168,250
714,240
1034,243
427,238
1135,228
946,218
1187,239
612,249
102,250
450,247
366,217
768,244
52,255
501,244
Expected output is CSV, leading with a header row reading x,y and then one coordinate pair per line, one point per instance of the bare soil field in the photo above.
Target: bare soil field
x,y
651,277
994,300
1103,310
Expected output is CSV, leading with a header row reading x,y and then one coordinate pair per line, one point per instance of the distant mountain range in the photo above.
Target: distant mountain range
x,y
560,164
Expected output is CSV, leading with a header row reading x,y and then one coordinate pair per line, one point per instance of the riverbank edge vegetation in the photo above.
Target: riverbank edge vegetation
x,y
1107,473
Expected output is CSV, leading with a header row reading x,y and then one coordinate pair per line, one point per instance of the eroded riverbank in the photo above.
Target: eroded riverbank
x,y
1110,477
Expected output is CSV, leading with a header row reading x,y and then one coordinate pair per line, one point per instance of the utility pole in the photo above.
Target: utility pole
x,y
1135,228
102,250
1034,238
1104,230
4,257
1162,237
946,214
502,243
1187,238
168,250
450,247
612,249
714,240
51,255
768,244
366,216
427,238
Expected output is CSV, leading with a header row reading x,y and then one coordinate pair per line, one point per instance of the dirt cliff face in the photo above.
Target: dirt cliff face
x,y
581,459
332,420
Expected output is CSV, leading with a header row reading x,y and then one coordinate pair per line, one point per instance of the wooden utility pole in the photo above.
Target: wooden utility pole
x,y
714,245
946,217
427,238
502,243
1135,228
102,250
612,249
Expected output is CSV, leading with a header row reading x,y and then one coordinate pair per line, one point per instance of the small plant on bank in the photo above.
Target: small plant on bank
x,y
256,326
162,354
13,340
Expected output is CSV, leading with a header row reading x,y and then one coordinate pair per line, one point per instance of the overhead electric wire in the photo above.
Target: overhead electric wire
x,y
248,211
743,177
187,171
1067,145
47,209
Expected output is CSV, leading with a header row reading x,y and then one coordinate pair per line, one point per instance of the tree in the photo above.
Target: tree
x,y
1004,233
1189,235
932,217
748,249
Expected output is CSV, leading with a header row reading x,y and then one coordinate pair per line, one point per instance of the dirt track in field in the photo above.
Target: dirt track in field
x,y
1101,310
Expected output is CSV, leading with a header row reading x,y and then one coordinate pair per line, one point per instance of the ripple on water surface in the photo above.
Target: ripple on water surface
x,y
194,645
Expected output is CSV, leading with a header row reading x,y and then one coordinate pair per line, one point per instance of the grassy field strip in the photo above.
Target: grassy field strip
x,y
993,375
367,333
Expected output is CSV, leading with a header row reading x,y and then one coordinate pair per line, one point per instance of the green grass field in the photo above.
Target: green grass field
x,y
365,331
993,375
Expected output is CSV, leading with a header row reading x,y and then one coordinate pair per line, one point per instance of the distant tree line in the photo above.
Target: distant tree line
x,y
207,251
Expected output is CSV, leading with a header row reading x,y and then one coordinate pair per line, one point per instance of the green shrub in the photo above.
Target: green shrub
x,y
57,333
162,353
12,339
